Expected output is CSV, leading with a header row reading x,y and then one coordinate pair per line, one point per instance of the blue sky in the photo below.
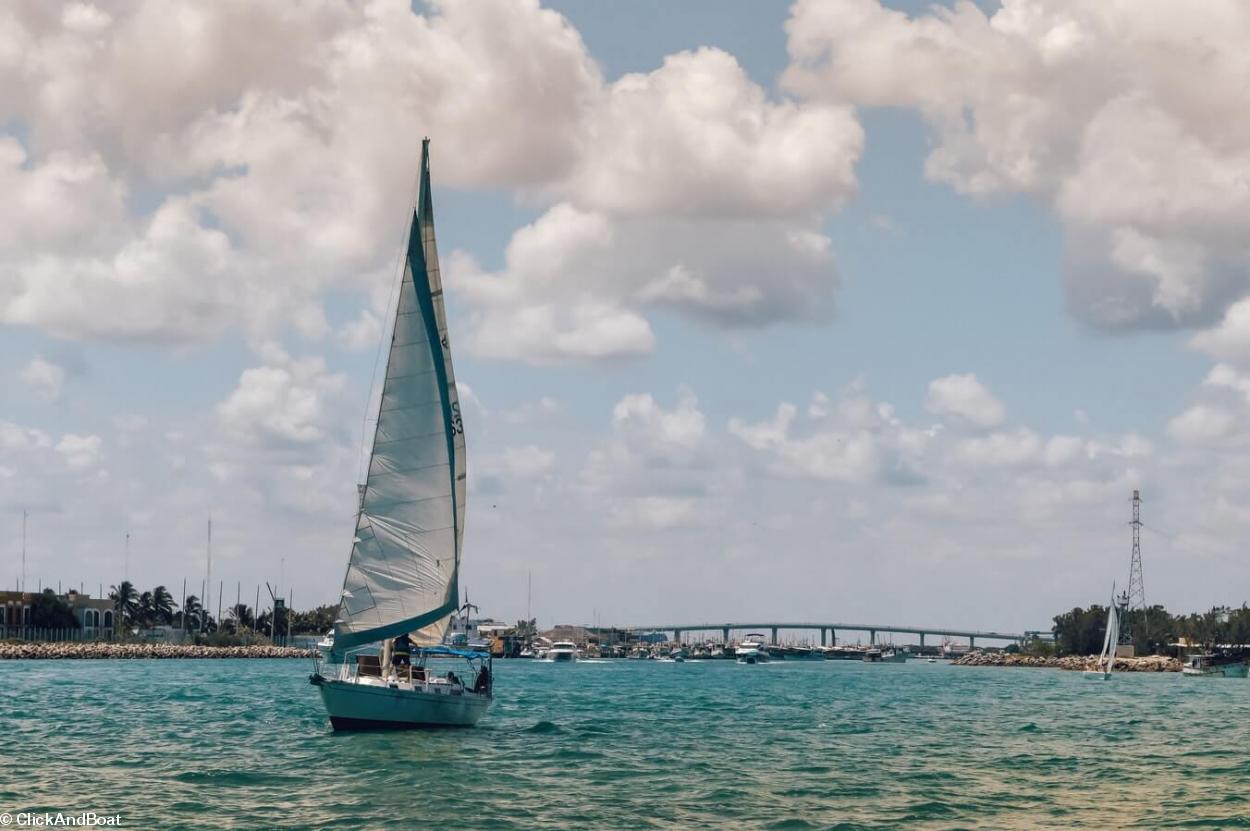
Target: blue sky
x,y
758,305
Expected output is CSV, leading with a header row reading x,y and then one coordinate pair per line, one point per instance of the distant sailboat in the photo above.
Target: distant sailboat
x,y
1111,640
403,571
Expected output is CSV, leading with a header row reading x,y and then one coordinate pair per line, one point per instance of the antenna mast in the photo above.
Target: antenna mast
x,y
1134,598
23,550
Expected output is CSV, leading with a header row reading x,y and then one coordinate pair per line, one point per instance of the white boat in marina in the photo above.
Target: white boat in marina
x,y
562,652
1216,665
1110,641
402,574
752,650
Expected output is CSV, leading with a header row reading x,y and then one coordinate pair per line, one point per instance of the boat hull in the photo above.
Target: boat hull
x,y
1224,671
356,705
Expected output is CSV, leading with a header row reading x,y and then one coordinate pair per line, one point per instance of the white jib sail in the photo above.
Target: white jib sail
x,y
402,574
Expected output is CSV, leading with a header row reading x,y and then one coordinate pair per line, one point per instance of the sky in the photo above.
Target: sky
x,y
840,310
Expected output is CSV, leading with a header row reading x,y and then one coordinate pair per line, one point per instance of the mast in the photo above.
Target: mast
x,y
23,587
208,575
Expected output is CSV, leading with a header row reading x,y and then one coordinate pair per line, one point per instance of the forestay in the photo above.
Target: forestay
x,y
402,574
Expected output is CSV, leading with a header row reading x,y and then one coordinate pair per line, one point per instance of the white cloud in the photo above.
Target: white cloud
x,y
273,133
640,420
288,401
44,377
518,462
1020,447
79,452
653,513
1229,340
1121,116
966,397
1203,423
365,332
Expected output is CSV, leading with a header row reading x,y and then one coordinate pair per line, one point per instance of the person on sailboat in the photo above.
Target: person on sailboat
x,y
401,651
482,684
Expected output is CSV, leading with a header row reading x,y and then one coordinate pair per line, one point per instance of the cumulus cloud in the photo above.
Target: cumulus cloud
x,y
79,452
44,377
695,193
286,402
284,173
1121,116
967,398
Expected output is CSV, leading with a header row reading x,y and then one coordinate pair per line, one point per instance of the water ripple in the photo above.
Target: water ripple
x,y
632,745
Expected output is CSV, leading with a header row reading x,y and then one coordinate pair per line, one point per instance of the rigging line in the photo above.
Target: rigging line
x,y
362,466
1166,535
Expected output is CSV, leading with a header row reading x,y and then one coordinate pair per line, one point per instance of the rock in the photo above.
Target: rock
x,y
1075,663
107,650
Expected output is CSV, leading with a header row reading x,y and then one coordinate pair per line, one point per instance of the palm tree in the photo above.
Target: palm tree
x,y
241,614
191,613
163,605
146,612
124,599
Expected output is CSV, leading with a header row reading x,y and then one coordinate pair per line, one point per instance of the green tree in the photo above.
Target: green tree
x,y
125,601
47,611
163,606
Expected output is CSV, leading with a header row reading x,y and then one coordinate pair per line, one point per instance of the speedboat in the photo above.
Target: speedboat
x,y
678,655
752,650
562,652
1215,665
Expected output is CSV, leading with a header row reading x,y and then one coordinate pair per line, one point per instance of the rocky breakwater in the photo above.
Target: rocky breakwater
x,y
103,650
1148,663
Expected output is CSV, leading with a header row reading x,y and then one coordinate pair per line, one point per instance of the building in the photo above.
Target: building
x,y
94,615
16,609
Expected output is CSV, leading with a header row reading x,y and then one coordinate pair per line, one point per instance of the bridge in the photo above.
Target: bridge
x,y
829,631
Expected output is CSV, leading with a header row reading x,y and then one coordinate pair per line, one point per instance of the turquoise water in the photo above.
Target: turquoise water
x,y
634,744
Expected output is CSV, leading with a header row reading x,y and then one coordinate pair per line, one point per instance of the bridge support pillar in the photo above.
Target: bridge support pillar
x,y
774,641
724,635
922,640
677,635
824,636
972,643
872,637
833,637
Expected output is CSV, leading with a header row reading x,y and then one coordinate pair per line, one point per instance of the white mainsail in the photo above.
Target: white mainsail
x,y
402,574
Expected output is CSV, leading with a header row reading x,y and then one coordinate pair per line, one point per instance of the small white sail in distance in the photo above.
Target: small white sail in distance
x,y
403,570
1111,639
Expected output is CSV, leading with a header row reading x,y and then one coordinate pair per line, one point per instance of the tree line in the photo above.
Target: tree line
x,y
134,609
1153,630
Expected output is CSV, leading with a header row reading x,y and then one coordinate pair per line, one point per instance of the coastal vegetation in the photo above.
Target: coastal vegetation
x,y
1153,631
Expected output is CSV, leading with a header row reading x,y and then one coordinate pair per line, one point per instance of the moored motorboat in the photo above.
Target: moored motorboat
x,y
752,650
562,652
1216,665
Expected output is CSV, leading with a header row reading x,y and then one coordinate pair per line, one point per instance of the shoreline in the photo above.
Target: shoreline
x,y
1072,663
104,650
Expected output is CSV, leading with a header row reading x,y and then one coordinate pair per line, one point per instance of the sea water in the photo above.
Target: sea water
x,y
632,745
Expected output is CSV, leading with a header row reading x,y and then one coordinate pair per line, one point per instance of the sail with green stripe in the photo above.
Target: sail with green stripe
x,y
402,574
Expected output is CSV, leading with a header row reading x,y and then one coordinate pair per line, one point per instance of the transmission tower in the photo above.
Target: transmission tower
x,y
1134,598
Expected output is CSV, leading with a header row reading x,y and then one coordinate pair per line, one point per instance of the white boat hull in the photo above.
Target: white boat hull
x,y
371,704
1223,671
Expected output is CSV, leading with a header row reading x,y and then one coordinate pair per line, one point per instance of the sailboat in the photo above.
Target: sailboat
x,y
1111,640
402,574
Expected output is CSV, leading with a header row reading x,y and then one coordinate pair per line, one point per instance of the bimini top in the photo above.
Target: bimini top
x,y
447,650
